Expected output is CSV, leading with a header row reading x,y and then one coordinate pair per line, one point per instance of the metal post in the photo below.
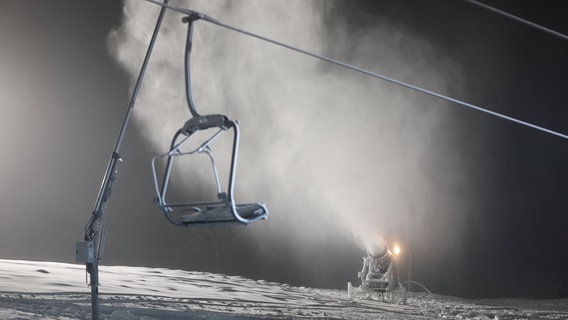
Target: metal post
x,y
409,269
94,289
94,231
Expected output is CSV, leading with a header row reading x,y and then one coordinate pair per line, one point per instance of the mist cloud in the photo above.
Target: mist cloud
x,y
336,156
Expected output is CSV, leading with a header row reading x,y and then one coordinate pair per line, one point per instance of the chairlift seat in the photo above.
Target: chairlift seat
x,y
223,211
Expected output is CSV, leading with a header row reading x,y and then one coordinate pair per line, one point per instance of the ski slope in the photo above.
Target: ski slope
x,y
58,291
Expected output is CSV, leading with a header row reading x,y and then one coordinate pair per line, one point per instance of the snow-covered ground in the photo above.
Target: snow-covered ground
x,y
48,290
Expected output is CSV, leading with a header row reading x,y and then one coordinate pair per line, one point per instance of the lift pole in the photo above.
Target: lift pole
x,y
90,251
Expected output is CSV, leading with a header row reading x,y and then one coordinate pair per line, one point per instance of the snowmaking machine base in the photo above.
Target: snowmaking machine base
x,y
379,278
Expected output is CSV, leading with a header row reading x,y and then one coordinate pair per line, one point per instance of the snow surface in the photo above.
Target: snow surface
x,y
58,291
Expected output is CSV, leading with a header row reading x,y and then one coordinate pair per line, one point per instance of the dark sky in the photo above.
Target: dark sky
x,y
63,97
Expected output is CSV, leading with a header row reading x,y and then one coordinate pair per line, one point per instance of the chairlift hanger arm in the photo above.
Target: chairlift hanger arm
x,y
198,121
189,20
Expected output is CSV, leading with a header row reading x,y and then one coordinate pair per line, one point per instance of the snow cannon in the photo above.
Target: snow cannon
x,y
377,250
379,275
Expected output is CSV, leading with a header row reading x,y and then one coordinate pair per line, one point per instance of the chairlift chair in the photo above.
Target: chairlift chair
x,y
224,210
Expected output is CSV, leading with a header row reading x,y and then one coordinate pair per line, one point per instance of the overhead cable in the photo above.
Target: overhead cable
x,y
519,19
361,70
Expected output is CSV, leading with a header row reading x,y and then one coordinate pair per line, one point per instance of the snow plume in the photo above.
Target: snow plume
x,y
338,157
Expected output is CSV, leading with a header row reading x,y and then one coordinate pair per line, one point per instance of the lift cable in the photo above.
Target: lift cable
x,y
361,70
518,19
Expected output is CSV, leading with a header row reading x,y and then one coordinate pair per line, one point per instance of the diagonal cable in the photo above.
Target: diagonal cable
x,y
363,71
518,19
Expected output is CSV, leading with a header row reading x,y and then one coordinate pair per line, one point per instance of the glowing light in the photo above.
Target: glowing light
x,y
396,249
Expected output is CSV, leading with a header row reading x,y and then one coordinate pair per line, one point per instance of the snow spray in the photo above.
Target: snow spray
x,y
335,155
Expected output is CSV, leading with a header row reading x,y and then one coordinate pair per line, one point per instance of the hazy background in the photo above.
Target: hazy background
x,y
339,158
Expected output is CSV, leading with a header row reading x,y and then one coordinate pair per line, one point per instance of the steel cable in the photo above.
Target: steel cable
x,y
363,71
518,19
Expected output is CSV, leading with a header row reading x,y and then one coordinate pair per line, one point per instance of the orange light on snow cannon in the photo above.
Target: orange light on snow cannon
x,y
396,249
